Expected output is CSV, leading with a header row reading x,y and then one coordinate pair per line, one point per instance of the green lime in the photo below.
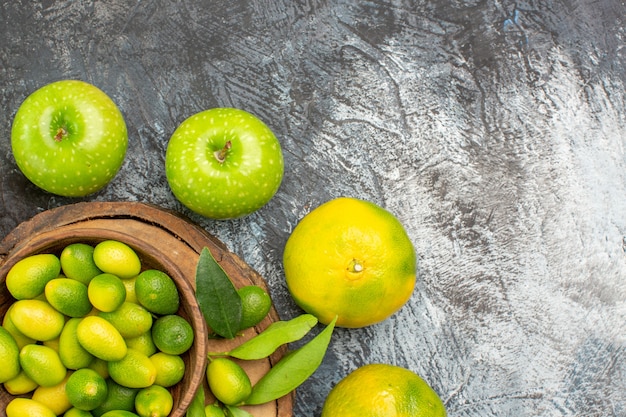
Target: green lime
x,y
214,410
75,412
118,397
157,292
117,258
170,369
119,413
68,296
228,381
86,389
154,401
9,356
37,319
135,370
101,338
29,276
143,343
20,385
106,292
25,407
129,284
72,353
172,334
255,304
100,366
130,319
9,326
77,262
42,364
54,397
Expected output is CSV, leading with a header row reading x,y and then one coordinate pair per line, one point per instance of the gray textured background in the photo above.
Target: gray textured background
x,y
494,130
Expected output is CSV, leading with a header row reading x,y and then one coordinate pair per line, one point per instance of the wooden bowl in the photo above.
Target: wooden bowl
x,y
163,240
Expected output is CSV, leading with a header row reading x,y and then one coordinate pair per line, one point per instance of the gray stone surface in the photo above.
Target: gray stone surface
x,y
495,131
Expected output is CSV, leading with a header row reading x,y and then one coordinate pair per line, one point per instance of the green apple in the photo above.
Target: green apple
x,y
224,163
69,138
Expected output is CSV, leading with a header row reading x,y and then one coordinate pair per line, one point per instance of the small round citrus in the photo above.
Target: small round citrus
x,y
228,381
172,334
130,319
42,364
214,410
255,304
68,296
77,262
117,258
29,276
54,397
154,401
86,389
383,390
157,292
37,319
170,369
143,343
119,413
135,370
21,339
118,397
106,292
72,353
9,356
75,412
352,259
20,385
22,407
101,338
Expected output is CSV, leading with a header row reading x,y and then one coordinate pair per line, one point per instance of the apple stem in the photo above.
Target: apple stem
x,y
61,133
220,155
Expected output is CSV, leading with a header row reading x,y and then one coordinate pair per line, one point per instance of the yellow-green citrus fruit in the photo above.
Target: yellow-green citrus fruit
x,y
101,338
130,319
54,397
42,364
9,356
19,337
172,334
129,284
75,412
100,366
228,381
154,401
170,369
20,385
37,319
142,343
116,258
135,370
352,259
118,397
25,407
106,292
29,276
255,304
214,410
119,413
157,292
383,390
86,389
77,262
72,353
68,296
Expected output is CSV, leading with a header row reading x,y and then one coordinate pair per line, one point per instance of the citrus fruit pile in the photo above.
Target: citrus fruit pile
x,y
91,333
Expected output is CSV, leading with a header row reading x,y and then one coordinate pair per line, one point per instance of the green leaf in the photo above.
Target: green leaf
x,y
275,335
293,369
232,411
196,408
217,296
